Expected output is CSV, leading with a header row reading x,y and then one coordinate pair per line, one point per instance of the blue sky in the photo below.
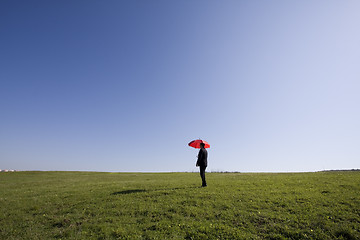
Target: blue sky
x,y
273,86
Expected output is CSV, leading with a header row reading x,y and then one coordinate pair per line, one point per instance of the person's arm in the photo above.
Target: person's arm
x,y
199,158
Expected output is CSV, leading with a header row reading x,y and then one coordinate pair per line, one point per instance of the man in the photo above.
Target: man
x,y
202,162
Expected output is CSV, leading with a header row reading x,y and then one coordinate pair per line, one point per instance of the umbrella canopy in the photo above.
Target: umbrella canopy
x,y
196,143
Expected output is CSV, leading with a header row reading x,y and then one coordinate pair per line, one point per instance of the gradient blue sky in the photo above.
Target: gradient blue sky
x,y
124,85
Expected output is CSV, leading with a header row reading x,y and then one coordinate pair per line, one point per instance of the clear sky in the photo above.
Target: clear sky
x,y
273,86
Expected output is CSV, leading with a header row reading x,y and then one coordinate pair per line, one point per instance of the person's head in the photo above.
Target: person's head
x,y
202,145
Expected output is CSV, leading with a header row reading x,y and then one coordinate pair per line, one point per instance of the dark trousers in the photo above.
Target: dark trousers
x,y
202,174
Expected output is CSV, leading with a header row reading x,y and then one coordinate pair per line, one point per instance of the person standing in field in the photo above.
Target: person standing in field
x,y
202,162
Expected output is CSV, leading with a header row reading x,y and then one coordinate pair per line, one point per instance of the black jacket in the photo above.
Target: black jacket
x,y
202,158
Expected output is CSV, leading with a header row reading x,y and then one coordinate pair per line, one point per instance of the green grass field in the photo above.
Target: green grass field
x,y
87,205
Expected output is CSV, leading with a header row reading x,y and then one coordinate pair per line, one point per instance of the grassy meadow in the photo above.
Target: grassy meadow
x,y
90,205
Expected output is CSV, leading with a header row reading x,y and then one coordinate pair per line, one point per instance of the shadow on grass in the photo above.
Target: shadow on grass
x,y
129,191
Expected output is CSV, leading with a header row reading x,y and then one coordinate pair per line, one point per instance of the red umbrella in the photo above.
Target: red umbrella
x,y
196,143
